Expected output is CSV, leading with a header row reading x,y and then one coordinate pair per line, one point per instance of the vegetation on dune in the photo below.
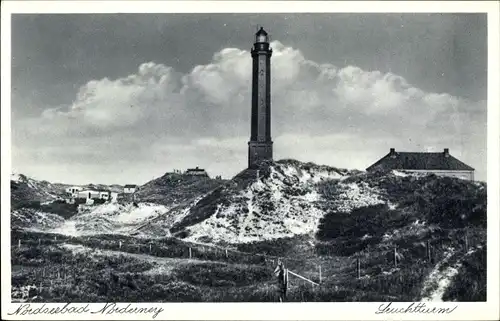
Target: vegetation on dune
x,y
383,251
199,280
310,165
175,188
440,213
425,209
470,282
223,275
207,206
58,207
60,275
282,247
202,210
157,247
447,202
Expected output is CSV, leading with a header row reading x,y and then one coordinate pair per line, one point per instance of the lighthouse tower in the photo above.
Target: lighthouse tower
x,y
260,146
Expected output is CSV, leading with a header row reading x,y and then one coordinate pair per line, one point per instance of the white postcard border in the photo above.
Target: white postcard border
x,y
266,311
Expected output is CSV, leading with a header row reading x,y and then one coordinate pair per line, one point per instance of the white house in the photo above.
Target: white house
x,y
73,190
94,194
114,197
129,189
104,195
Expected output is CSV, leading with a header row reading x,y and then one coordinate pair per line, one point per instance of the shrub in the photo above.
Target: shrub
x,y
218,274
173,292
60,208
372,220
470,282
261,292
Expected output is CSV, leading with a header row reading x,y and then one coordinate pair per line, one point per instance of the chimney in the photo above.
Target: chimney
x,y
446,152
392,153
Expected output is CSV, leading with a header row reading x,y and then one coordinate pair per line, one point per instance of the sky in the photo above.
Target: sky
x,y
124,98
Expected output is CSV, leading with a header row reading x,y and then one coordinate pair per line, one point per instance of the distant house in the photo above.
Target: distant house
x,y
442,164
73,190
129,188
94,194
114,197
196,172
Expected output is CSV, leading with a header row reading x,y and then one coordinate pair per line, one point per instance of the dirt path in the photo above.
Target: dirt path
x,y
163,264
440,279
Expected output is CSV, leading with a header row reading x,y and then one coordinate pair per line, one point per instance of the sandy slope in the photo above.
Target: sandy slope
x,y
438,281
284,202
110,218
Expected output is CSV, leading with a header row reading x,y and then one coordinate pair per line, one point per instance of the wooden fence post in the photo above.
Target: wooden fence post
x,y
320,274
358,267
429,255
120,244
286,284
19,244
226,253
466,241
39,241
395,258
190,254
150,248
55,238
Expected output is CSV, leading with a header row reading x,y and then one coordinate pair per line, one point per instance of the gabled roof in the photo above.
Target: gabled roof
x,y
130,186
197,169
419,161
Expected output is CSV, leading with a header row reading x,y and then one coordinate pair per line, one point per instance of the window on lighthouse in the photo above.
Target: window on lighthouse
x,y
261,36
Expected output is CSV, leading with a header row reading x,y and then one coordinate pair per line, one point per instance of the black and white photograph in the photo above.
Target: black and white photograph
x,y
244,157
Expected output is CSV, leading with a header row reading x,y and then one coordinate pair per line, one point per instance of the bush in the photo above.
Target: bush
x,y
173,292
470,282
218,274
372,220
448,202
261,292
60,208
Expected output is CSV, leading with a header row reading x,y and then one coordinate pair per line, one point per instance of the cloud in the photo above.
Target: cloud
x,y
318,110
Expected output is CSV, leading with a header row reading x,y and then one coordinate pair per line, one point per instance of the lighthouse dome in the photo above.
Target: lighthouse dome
x,y
261,36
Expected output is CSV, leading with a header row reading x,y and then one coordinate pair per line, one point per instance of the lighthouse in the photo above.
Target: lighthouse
x,y
260,146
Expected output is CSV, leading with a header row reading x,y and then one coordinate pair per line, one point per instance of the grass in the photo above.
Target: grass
x,y
59,207
174,188
369,234
470,282
86,277
90,277
223,275
160,247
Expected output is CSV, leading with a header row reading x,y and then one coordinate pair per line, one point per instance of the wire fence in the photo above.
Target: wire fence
x,y
354,267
